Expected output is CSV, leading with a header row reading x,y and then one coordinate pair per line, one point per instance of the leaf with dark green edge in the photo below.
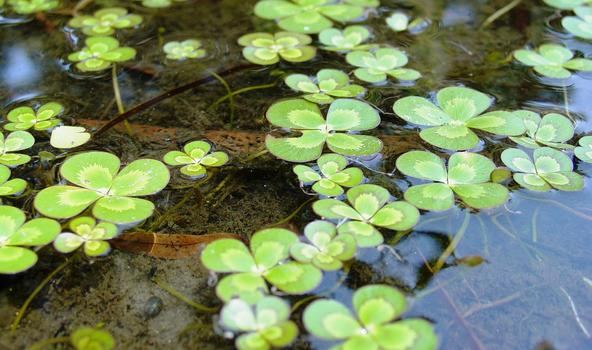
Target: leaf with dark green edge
x,y
271,246
354,145
193,170
469,168
327,188
228,255
525,141
404,74
36,232
367,199
530,119
349,177
454,138
306,148
358,341
16,259
67,242
334,209
351,115
584,151
308,22
298,54
549,160
141,177
271,311
518,161
532,182
577,25
369,75
301,82
409,334
306,174
342,12
251,341
555,53
330,79
215,159
249,287
331,164
579,64
554,128
433,197
481,195
16,141
462,104
294,277
12,187
556,72
91,338
303,252
530,58
564,181
422,165
378,304
295,114
63,202
499,123
366,235
280,335
352,90
349,39
330,320
14,159
420,111
93,170
272,9
239,316
360,59
96,248
122,210
11,219
259,39
319,98
261,56
399,216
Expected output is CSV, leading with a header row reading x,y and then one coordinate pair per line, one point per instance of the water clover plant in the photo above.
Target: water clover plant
x,y
99,53
459,110
17,236
553,130
265,260
182,50
399,22
344,115
468,176
24,118
326,249
553,61
195,158
311,16
264,325
580,26
368,208
266,48
86,231
377,66
10,187
105,21
373,326
88,338
331,176
159,3
550,169
349,39
15,141
327,84
26,7
567,4
584,151
98,182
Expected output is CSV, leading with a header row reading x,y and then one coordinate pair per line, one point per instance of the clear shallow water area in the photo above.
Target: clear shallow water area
x,y
517,276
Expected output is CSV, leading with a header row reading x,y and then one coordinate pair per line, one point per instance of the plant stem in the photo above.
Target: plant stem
x,y
240,91
182,297
566,103
229,90
292,215
497,14
118,100
452,246
43,343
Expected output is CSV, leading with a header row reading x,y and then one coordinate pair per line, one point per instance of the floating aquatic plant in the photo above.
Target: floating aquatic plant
x,y
550,169
15,141
86,232
159,3
66,137
553,130
399,22
326,249
468,176
580,26
100,53
584,151
98,182
195,158
88,338
553,61
351,38
331,177
377,66
567,4
327,84
264,325
459,110
344,115
26,7
24,118
311,16
105,21
266,48
269,248
369,207
373,325
17,236
10,187
182,50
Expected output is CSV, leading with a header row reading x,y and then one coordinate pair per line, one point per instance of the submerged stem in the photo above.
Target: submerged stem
x,y
229,90
240,91
497,14
118,100
452,246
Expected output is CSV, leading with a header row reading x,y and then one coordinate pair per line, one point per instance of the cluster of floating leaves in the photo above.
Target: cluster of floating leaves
x,y
579,25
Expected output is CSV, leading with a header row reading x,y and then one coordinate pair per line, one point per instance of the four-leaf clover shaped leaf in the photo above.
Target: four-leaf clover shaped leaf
x,y
553,130
373,326
26,7
24,118
328,83
15,141
460,110
16,236
344,115
584,151
349,39
99,53
333,175
181,50
550,169
369,208
10,187
269,248
86,231
99,182
553,61
266,48
377,66
105,21
326,249
195,158
263,325
468,176
580,26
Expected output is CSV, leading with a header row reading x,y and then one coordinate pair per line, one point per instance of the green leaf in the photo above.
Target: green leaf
x,y
469,168
16,141
397,21
295,114
462,104
378,304
67,242
141,177
331,164
434,197
549,160
417,333
301,82
251,341
530,58
327,188
564,181
422,165
36,232
294,277
581,64
122,210
249,287
554,128
398,216
450,137
272,9
271,311
228,255
553,71
499,123
556,54
306,174
238,315
349,177
93,170
261,56
366,235
367,199
301,149
404,74
85,338
565,4
342,12
281,335
584,152
351,115
334,209
271,246
305,22
66,137
354,145
329,319
532,182
369,75
518,161
481,195
62,202
16,259
418,110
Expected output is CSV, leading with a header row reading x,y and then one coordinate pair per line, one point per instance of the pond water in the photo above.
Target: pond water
x,y
519,276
